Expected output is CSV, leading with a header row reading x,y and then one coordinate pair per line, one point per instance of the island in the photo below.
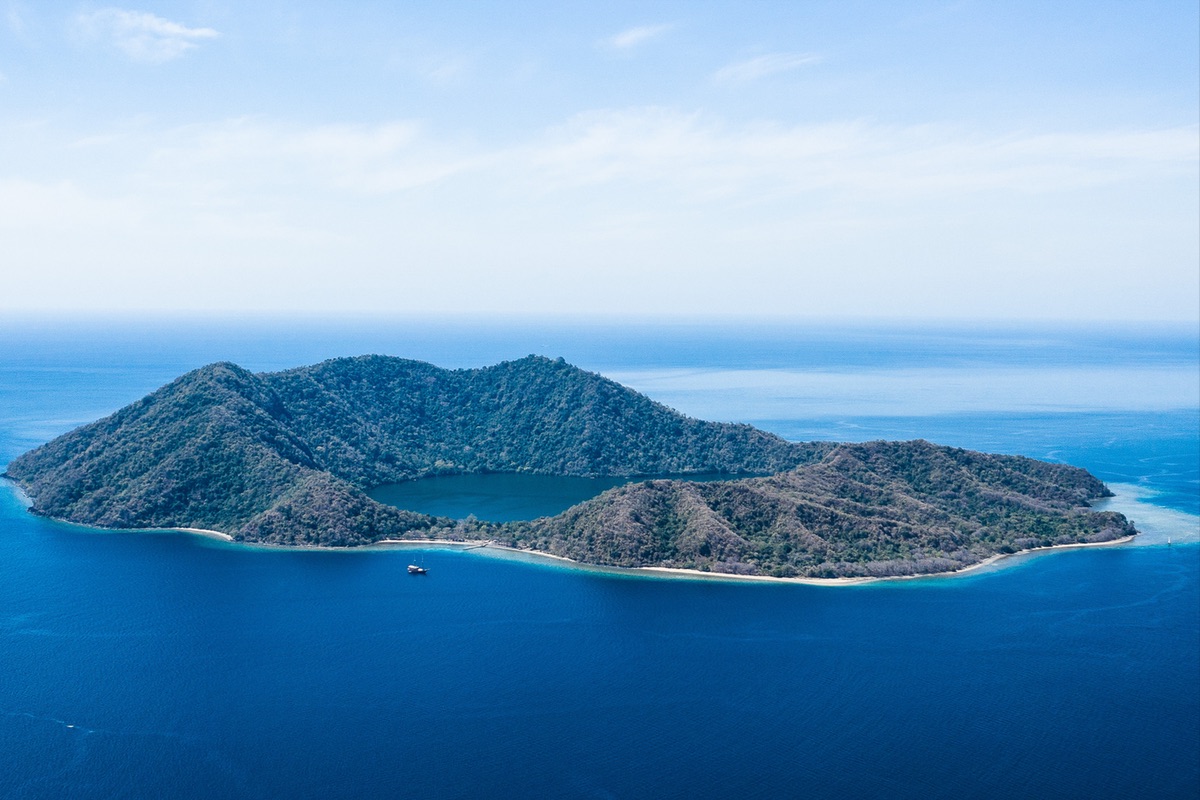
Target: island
x,y
286,458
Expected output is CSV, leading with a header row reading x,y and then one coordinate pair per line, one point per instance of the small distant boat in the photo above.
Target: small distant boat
x,y
413,569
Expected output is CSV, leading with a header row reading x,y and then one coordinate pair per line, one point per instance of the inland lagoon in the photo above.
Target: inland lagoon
x,y
504,496
170,664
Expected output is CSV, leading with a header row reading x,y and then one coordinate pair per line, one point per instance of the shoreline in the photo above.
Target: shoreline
x,y
676,573
680,573
665,573
225,537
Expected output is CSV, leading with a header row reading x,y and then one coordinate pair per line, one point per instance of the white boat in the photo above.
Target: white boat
x,y
413,569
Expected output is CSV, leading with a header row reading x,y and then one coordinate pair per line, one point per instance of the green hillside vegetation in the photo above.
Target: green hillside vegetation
x,y
870,510
284,458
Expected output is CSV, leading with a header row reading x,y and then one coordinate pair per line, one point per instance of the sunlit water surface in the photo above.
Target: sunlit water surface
x,y
169,665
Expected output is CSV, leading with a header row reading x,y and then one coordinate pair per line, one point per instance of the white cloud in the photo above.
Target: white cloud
x,y
852,216
59,207
16,23
645,162
447,70
762,66
633,37
247,155
713,159
695,159
438,67
141,36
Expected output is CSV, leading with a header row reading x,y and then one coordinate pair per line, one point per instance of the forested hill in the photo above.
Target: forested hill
x,y
878,509
285,458
290,452
375,420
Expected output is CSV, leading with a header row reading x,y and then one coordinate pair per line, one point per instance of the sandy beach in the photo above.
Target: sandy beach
x,y
502,551
695,574
204,532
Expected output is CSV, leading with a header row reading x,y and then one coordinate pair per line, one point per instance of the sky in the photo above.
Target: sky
x,y
786,160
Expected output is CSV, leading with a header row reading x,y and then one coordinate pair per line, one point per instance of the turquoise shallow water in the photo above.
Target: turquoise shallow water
x,y
154,665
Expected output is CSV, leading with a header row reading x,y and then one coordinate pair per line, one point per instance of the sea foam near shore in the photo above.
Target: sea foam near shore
x,y
1156,525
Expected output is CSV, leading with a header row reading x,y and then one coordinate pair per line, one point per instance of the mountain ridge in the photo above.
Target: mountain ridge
x,y
285,458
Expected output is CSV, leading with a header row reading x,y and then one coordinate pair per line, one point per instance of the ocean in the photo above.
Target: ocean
x,y
172,665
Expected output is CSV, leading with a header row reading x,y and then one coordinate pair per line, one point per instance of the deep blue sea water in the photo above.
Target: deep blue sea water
x,y
168,665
